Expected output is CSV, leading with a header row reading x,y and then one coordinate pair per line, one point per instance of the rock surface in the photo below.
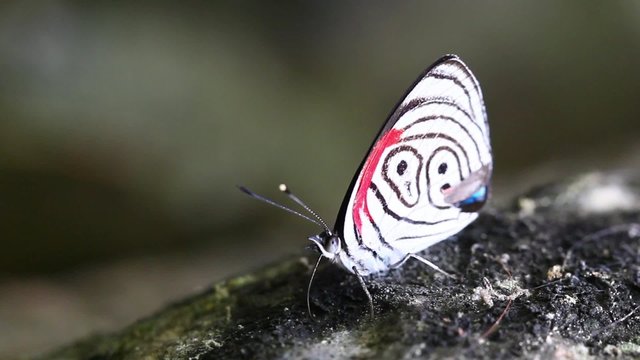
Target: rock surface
x,y
555,275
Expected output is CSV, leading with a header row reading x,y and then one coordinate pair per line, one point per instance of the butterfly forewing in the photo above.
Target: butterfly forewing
x,y
400,201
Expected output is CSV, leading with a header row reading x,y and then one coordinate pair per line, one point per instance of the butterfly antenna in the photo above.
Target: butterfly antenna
x,y
271,202
309,287
297,200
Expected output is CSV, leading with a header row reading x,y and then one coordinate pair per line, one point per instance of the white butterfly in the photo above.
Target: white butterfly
x,y
423,180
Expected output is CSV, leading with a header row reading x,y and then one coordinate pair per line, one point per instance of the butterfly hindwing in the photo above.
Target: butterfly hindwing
x,y
428,170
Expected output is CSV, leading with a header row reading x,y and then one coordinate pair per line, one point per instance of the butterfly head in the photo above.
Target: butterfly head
x,y
328,243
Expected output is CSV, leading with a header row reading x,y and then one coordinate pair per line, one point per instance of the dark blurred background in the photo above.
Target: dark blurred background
x,y
125,127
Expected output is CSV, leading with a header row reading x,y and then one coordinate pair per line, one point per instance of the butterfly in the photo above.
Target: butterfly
x,y
424,178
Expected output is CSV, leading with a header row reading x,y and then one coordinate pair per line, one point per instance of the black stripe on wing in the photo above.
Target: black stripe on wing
x,y
420,102
363,246
439,136
428,166
447,118
476,86
456,80
385,208
439,233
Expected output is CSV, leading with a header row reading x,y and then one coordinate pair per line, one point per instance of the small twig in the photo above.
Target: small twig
x,y
495,325
548,284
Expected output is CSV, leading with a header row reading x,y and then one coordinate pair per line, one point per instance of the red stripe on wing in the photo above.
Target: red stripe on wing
x,y
360,202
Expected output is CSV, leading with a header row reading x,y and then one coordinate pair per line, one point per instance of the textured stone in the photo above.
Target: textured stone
x,y
556,275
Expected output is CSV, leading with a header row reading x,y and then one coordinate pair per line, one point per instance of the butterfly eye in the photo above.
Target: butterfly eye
x,y
442,168
333,245
402,167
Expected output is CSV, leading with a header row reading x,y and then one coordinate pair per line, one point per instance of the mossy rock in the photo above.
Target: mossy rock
x,y
556,275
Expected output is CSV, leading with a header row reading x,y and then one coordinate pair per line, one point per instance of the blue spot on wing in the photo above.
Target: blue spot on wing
x,y
474,202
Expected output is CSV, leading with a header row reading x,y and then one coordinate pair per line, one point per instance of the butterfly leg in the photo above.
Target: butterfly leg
x,y
366,291
424,261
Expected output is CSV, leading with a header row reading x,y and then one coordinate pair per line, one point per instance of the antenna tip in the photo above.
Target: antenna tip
x,y
283,188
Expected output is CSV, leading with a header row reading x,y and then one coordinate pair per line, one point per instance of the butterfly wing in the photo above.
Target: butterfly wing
x,y
428,169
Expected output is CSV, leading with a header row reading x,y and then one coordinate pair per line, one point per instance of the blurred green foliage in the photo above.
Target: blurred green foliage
x,y
125,126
